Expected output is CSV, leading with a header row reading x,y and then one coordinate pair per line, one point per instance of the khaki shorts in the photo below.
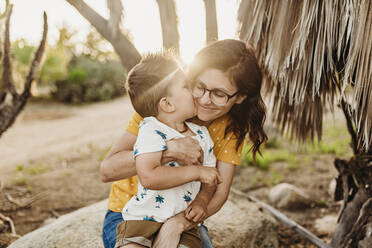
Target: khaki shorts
x,y
143,232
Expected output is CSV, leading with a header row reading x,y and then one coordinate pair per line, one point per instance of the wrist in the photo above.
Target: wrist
x,y
195,172
202,199
169,154
179,223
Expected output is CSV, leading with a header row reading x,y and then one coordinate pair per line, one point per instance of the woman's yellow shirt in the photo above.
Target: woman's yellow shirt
x,y
224,150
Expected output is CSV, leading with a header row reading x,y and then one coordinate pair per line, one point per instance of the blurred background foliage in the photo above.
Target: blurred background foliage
x,y
72,72
335,141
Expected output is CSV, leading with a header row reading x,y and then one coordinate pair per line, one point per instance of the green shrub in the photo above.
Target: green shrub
x,y
89,80
268,157
54,67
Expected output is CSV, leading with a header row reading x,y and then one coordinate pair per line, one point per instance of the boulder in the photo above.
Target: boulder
x,y
81,228
239,223
326,225
288,196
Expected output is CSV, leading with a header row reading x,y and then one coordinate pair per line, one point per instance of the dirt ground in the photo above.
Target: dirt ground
x,y
50,166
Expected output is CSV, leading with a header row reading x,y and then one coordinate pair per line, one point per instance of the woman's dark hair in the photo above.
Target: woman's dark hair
x,y
238,62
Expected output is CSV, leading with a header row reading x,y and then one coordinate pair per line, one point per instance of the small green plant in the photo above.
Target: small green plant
x,y
20,167
321,204
273,179
102,153
20,181
37,168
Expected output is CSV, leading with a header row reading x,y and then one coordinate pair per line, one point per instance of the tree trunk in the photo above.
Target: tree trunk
x,y
128,54
354,188
169,27
211,20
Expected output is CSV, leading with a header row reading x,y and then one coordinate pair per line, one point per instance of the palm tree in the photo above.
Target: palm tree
x,y
317,54
169,25
11,101
211,20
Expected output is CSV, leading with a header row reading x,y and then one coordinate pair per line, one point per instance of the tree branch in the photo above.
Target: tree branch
x,y
285,220
350,128
7,63
128,54
11,224
36,61
116,14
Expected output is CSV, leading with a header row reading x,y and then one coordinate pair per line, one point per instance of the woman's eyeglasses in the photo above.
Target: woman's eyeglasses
x,y
218,97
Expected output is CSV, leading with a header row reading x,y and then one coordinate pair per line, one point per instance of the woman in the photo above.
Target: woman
x,y
225,81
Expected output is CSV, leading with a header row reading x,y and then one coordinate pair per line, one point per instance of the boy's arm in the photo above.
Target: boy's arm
x,y
119,163
197,211
157,177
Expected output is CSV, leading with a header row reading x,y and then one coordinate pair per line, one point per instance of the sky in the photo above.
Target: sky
x,y
141,18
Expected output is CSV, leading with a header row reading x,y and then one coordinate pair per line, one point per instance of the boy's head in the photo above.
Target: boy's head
x,y
149,81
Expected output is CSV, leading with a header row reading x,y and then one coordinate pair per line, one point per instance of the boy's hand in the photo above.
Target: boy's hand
x,y
209,176
197,211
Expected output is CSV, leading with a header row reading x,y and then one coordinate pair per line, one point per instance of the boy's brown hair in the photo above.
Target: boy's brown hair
x,y
147,82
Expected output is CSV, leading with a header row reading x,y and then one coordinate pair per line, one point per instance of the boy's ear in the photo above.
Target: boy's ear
x,y
166,105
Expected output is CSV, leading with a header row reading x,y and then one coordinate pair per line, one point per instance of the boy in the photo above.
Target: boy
x,y
158,93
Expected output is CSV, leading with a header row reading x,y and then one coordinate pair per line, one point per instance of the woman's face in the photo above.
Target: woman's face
x,y
214,79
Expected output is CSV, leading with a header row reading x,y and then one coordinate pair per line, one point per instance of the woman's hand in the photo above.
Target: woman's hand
x,y
170,232
197,211
186,151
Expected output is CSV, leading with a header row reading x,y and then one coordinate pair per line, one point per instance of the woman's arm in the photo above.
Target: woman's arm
x,y
119,163
219,198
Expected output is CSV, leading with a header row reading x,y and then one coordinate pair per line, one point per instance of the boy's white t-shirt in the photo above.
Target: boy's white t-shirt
x,y
159,205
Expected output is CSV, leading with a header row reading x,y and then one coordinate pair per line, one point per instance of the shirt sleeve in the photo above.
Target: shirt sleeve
x,y
209,158
226,150
150,139
133,124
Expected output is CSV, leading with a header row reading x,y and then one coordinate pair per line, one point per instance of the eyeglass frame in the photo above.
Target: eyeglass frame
x,y
209,95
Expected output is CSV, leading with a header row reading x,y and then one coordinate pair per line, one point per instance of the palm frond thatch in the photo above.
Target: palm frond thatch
x,y
313,53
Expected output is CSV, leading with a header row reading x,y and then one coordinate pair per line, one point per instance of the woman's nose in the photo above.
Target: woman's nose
x,y
205,99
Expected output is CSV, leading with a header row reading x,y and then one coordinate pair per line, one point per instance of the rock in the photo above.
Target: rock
x,y
285,195
332,188
239,223
326,225
48,221
81,228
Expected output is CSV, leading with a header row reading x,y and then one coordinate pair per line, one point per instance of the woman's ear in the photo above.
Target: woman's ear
x,y
166,105
240,99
